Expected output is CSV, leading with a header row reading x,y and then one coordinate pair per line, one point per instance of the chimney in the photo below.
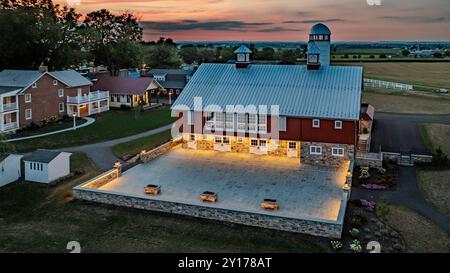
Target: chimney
x,y
43,69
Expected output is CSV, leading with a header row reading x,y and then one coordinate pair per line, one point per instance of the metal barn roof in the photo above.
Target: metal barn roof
x,y
71,78
332,92
243,50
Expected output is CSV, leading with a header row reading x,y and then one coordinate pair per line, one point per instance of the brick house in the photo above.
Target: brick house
x,y
32,96
173,81
310,111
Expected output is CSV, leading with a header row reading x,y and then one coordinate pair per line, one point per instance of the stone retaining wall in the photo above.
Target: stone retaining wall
x,y
102,179
148,156
416,158
331,229
371,160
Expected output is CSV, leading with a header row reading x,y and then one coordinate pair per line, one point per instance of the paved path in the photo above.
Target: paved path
x,y
101,152
407,195
400,132
88,122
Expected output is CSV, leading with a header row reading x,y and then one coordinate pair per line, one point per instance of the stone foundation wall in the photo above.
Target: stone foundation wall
x,y
326,158
329,229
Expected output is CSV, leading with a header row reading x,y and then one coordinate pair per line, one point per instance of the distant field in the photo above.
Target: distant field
x,y
422,74
407,104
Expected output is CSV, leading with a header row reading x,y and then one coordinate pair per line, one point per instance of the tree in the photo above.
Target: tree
x,y
266,53
405,53
438,55
161,56
382,56
113,34
206,55
288,56
189,54
6,148
447,53
439,158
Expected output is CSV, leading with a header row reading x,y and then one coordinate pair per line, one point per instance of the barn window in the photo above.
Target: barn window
x,y
241,122
282,124
335,151
338,124
316,123
315,150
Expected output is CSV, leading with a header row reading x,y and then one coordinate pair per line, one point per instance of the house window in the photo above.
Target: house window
x,y
292,145
28,114
240,140
191,137
226,140
338,124
34,85
316,123
262,123
219,121
262,143
61,107
258,143
178,91
128,99
241,122
254,142
229,121
315,150
218,140
27,98
282,124
337,151
55,82
61,93
252,122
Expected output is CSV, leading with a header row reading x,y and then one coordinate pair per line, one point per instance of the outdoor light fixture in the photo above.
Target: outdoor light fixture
x,y
74,115
346,187
117,164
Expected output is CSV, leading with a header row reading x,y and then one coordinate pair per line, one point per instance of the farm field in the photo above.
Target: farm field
x,y
399,102
424,74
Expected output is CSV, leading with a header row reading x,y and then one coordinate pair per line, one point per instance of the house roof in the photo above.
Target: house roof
x,y
332,92
70,78
367,111
171,72
42,156
7,89
23,78
123,86
174,84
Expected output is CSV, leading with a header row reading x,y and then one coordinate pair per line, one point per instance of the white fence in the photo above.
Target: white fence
x,y
387,85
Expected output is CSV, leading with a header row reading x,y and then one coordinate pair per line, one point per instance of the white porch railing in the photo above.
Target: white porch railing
x,y
98,110
9,126
9,107
92,96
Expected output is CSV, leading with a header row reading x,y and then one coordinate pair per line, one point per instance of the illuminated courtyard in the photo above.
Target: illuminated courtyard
x,y
241,181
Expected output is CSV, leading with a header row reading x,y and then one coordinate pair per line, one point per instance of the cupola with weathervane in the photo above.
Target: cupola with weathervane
x,y
319,46
242,56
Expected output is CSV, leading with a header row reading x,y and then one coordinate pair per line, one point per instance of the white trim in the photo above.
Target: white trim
x,y
336,151
34,85
190,117
227,128
28,98
61,92
316,148
31,113
336,122
292,142
241,126
314,121
282,124
61,110
55,82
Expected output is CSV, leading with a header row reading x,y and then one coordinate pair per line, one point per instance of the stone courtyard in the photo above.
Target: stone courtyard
x,y
241,181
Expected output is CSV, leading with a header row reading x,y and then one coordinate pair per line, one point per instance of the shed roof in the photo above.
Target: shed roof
x,y
42,156
332,92
123,86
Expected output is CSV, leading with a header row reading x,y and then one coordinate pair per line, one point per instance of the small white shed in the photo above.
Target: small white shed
x,y
10,169
45,166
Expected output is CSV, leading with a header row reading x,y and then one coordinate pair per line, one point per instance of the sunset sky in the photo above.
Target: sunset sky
x,y
283,20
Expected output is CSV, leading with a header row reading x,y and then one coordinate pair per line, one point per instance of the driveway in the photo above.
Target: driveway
x,y
101,153
400,132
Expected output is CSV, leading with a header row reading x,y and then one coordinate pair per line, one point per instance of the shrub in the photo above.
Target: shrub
x,y
357,218
354,232
364,173
381,170
382,209
336,245
439,158
355,246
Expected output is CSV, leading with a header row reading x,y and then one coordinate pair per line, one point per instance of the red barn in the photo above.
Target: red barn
x,y
307,111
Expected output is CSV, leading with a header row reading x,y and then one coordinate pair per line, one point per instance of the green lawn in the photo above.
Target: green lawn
x,y
37,218
60,125
145,143
109,125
